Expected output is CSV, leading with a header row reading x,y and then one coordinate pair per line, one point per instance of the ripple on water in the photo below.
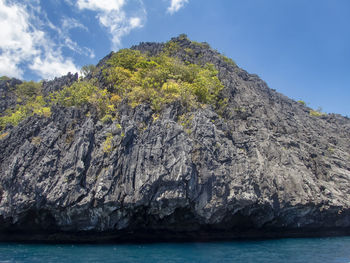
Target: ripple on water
x,y
311,250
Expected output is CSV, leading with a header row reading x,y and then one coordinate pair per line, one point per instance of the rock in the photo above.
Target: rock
x,y
58,83
265,168
8,98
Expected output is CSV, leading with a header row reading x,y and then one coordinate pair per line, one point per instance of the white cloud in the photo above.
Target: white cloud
x,y
23,41
176,5
67,25
112,15
72,45
29,41
8,67
102,5
50,66
15,35
135,22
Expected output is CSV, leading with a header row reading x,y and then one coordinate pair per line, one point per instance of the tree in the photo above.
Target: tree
x,y
87,70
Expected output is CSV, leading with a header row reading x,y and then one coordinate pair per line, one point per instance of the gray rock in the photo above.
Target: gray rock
x,y
8,98
58,83
263,168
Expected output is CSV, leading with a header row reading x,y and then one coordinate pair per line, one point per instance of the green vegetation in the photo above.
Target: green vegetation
x,y
331,150
28,91
171,47
78,94
302,102
4,78
85,93
3,135
161,80
130,77
107,118
189,51
30,102
118,126
88,70
315,113
183,36
107,145
202,44
21,112
185,121
14,117
240,109
228,60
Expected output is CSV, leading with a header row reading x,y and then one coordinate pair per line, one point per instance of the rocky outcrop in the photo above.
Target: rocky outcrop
x,y
8,98
57,84
265,167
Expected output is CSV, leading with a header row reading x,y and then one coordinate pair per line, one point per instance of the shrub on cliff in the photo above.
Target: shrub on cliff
x,y
4,78
84,93
29,102
161,80
131,76
28,90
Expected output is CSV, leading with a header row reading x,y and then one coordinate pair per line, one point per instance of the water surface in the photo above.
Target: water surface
x,y
294,250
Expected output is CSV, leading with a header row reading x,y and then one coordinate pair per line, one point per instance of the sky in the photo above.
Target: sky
x,y
301,48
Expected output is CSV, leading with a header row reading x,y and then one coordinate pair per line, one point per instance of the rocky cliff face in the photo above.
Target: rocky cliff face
x,y
265,167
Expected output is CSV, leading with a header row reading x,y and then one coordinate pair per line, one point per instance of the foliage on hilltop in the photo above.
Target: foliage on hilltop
x,y
129,76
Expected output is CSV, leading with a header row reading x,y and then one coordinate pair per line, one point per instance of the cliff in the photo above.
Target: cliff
x,y
262,165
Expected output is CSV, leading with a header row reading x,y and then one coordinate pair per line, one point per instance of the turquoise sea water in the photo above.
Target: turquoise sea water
x,y
280,250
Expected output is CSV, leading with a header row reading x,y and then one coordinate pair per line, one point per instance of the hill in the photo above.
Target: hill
x,y
167,141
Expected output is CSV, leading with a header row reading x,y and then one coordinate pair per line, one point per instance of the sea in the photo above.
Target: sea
x,y
310,250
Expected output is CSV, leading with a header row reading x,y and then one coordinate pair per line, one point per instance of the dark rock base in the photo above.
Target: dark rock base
x,y
148,236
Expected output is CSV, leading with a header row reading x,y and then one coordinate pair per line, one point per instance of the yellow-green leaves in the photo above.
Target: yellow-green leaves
x,y
126,58
78,94
207,86
28,90
121,80
30,101
171,47
14,117
88,70
3,135
315,113
4,78
161,80
107,144
38,107
86,93
132,77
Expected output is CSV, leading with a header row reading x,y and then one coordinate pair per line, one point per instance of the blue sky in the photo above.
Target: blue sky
x,y
300,48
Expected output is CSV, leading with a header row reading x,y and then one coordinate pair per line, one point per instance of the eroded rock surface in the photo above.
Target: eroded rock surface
x,y
264,166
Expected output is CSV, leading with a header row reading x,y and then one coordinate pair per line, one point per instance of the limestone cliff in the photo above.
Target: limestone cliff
x,y
264,166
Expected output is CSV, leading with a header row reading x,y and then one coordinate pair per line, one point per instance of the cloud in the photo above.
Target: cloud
x,y
51,66
24,42
113,16
135,22
8,67
103,5
176,5
67,25
31,43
